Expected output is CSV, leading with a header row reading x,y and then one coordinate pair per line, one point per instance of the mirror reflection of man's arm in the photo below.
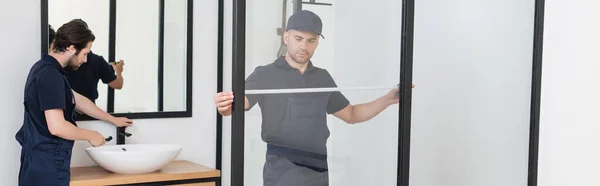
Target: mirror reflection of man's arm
x,y
118,82
352,114
87,107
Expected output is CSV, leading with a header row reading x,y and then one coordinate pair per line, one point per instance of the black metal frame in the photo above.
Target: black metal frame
x,y
220,38
238,82
238,67
536,87
44,24
161,55
216,180
404,113
112,40
111,57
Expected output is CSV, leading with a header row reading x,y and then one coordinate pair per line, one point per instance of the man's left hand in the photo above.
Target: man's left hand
x,y
391,97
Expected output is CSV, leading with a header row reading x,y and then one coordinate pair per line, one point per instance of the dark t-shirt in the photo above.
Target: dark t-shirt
x,y
85,79
295,120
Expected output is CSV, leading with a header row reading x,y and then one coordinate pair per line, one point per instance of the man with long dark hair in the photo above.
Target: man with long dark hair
x,y
49,127
84,77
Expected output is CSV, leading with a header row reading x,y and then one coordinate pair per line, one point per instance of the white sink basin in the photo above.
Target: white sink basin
x,y
134,158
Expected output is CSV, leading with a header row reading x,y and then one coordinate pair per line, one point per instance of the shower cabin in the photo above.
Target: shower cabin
x,y
471,118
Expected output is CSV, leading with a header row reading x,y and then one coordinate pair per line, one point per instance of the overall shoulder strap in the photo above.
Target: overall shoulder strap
x,y
29,82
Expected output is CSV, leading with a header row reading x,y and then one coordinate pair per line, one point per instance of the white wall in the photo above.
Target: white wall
x,y
569,138
22,49
472,71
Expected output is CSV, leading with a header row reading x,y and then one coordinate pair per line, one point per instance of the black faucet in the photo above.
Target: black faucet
x,y
126,134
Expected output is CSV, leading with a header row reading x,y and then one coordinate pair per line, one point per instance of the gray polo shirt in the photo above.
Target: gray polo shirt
x,y
295,120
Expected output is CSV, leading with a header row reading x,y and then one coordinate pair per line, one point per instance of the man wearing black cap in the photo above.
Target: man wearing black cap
x,y
294,125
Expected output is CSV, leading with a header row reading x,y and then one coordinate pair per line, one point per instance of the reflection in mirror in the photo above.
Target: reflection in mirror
x,y
137,41
85,78
159,76
175,54
139,61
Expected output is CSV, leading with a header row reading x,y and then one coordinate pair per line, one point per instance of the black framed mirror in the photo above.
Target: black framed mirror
x,y
140,65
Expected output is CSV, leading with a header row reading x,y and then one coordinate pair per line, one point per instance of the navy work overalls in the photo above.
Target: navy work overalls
x,y
45,158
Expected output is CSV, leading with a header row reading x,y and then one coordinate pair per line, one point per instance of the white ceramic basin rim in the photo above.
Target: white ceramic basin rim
x,y
134,158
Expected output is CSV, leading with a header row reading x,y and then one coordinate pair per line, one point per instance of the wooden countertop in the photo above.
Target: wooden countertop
x,y
176,170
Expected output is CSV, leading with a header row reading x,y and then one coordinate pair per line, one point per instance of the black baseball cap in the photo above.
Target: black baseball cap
x,y
305,20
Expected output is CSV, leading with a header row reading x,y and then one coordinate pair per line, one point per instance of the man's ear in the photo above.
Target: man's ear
x,y
71,50
286,35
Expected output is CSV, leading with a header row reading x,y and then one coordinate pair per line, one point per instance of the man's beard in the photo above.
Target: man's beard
x,y
72,64
300,61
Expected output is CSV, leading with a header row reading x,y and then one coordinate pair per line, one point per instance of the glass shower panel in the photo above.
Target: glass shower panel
x,y
263,20
470,112
300,87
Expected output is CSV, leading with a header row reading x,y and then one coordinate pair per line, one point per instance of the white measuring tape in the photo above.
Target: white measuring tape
x,y
310,90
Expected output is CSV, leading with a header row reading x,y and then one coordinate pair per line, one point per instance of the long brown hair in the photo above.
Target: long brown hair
x,y
76,33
